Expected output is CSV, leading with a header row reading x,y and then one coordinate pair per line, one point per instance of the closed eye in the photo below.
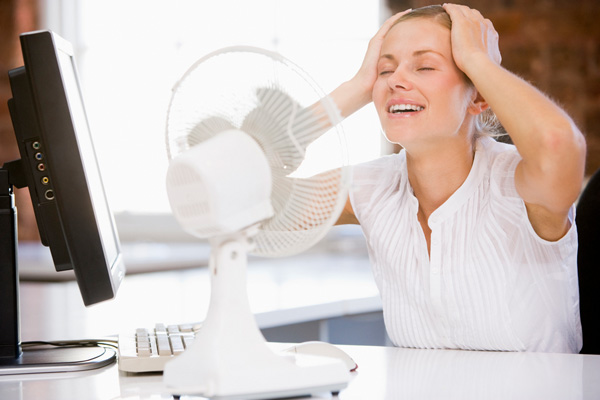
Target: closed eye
x,y
425,69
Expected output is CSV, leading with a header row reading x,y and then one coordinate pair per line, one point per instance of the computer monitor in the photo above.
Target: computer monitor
x,y
59,165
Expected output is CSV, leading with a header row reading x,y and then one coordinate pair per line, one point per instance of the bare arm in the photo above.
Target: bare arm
x,y
354,94
550,175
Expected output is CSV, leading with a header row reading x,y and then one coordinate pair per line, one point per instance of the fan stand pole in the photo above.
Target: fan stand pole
x,y
229,358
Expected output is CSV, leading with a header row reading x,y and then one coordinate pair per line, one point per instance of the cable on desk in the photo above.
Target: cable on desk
x,y
73,343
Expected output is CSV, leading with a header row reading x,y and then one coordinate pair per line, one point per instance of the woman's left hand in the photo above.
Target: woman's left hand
x,y
549,176
472,35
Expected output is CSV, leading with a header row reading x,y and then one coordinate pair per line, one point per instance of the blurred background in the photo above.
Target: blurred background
x,y
131,52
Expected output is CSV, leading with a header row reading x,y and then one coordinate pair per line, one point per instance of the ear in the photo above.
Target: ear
x,y
477,104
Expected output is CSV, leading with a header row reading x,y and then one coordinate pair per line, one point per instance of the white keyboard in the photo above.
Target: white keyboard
x,y
148,350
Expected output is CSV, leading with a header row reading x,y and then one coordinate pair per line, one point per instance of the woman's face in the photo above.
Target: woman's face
x,y
420,94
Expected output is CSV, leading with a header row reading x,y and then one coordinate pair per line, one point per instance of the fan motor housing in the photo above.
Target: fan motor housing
x,y
220,186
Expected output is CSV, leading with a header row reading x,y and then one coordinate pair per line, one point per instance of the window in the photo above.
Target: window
x,y
131,52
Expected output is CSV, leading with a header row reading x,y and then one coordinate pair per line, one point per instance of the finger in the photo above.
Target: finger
x,y
455,9
477,13
490,26
458,10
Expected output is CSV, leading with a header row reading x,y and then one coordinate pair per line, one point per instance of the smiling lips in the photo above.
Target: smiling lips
x,y
405,109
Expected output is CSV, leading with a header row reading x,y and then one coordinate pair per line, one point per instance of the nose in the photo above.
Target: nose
x,y
399,80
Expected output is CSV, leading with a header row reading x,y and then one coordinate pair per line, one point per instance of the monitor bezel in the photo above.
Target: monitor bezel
x,y
67,220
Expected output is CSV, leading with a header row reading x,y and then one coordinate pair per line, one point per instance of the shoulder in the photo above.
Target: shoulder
x,y
498,153
501,162
379,172
376,181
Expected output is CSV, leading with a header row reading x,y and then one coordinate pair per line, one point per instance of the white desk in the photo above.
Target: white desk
x,y
383,373
278,294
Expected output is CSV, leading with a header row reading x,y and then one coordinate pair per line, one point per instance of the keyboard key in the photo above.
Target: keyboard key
x,y
160,328
176,344
144,351
141,332
164,347
143,342
153,348
188,340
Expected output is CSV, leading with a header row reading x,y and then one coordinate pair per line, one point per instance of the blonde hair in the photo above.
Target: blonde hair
x,y
486,123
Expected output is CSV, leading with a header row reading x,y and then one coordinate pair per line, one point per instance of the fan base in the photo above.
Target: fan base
x,y
263,379
230,359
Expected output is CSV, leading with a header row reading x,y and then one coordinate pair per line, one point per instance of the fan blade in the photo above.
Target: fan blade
x,y
206,129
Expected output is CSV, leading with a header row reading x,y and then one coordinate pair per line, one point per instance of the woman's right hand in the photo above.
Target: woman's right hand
x,y
357,92
367,74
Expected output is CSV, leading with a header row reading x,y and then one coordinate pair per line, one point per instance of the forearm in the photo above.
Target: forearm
x,y
349,97
552,148
530,118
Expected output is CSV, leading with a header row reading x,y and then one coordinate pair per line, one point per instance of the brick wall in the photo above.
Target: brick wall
x,y
6,62
15,16
554,44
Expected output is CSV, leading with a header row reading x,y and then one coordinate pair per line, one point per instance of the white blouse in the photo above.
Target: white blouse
x,y
490,282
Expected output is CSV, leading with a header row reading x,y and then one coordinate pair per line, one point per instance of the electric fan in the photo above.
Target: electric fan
x,y
247,134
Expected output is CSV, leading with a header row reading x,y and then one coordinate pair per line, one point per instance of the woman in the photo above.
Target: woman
x,y
472,242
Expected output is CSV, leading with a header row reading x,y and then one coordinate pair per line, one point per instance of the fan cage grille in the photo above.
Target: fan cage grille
x,y
275,102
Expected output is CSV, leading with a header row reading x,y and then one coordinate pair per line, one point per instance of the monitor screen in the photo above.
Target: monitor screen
x,y
60,167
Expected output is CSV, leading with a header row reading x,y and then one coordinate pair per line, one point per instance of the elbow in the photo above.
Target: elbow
x,y
564,146
562,163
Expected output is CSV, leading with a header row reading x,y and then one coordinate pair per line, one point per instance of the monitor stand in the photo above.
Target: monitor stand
x,y
13,358
57,359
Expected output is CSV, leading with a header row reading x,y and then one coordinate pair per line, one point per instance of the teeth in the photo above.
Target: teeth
x,y
405,107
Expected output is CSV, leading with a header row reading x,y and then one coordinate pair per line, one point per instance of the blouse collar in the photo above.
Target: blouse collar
x,y
462,194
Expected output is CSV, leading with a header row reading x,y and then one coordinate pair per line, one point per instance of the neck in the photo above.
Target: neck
x,y
435,174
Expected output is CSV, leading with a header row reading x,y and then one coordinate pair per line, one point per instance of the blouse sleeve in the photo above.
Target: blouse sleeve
x,y
510,204
371,181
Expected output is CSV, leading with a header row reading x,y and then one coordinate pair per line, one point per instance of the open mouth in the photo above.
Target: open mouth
x,y
405,108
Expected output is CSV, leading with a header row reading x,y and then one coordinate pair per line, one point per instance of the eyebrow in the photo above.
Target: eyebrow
x,y
417,53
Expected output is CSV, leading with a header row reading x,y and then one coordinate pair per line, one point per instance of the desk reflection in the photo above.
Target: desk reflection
x,y
452,374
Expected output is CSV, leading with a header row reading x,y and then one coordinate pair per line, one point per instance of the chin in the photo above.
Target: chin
x,y
395,137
